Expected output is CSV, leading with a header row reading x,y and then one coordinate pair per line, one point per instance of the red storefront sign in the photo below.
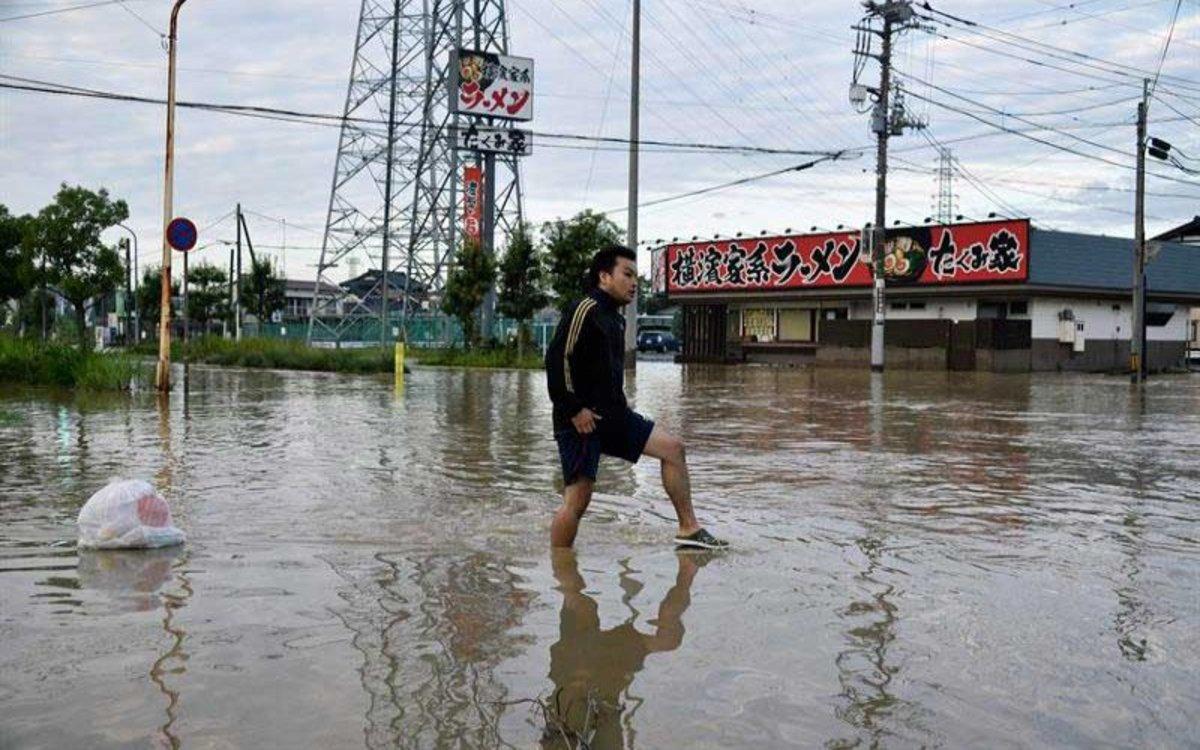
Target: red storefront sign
x,y
957,254
472,207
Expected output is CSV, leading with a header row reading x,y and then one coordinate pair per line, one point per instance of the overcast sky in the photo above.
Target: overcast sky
x,y
765,73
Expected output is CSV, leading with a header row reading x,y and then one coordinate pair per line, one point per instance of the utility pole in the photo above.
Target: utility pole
x,y
237,297
885,122
879,122
163,375
1137,335
137,317
631,310
43,275
128,295
225,329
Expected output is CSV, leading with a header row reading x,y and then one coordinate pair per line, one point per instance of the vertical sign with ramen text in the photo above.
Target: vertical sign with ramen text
x,y
491,85
472,208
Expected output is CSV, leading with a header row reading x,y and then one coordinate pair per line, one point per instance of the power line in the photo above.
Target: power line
x,y
733,183
1166,46
1049,50
1051,144
56,11
1018,118
143,21
336,120
1171,107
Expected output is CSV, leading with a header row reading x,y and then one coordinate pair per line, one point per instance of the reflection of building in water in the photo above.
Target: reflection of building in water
x,y
431,634
591,668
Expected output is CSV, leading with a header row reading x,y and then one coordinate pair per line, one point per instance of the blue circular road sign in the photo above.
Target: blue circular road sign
x,y
181,234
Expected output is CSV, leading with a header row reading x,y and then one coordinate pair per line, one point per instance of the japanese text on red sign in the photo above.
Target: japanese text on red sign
x,y
970,253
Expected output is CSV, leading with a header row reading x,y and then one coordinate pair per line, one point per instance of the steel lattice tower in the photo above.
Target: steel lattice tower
x,y
944,208
394,198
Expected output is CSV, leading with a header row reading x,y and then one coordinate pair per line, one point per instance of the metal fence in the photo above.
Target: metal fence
x,y
426,331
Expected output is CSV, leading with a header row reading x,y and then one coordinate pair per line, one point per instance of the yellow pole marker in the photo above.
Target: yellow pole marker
x,y
399,361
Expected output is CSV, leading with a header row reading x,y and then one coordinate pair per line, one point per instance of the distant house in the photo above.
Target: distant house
x,y
367,288
1187,233
298,298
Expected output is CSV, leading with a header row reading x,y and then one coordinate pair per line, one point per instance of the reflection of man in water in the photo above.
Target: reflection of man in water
x,y
601,664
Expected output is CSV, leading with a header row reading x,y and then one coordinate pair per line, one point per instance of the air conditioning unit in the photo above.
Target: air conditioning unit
x,y
1080,337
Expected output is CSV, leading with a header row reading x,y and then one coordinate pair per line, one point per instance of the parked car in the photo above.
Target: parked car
x,y
657,341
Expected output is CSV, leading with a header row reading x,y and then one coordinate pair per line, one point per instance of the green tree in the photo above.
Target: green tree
x,y
17,275
471,275
263,290
149,299
650,303
570,246
522,283
208,294
67,234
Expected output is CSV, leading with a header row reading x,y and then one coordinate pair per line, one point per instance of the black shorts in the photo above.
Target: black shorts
x,y
620,437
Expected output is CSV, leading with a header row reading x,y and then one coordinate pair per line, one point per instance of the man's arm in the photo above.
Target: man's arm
x,y
562,352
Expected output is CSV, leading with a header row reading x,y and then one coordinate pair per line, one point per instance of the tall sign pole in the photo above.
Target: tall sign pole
x,y
631,310
495,91
1137,334
384,283
488,235
163,374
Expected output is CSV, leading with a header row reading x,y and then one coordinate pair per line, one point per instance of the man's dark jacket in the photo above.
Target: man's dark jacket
x,y
585,363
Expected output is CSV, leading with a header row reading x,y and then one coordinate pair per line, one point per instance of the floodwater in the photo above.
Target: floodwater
x,y
922,560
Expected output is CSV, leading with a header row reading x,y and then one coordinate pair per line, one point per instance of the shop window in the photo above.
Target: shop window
x,y
836,313
991,310
1158,318
897,305
795,325
1020,307
758,324
916,305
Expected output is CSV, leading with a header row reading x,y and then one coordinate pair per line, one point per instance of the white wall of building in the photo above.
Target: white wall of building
x,y
1104,320
946,309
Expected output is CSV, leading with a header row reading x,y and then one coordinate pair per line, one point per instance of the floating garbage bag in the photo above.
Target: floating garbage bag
x,y
124,515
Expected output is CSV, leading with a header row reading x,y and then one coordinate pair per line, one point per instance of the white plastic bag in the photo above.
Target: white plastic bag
x,y
127,514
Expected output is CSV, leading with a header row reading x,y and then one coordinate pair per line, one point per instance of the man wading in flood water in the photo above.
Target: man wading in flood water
x,y
585,370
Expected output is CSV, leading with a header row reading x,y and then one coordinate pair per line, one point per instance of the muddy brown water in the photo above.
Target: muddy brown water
x,y
922,560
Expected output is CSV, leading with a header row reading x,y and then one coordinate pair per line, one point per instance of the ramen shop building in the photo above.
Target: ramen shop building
x,y
999,296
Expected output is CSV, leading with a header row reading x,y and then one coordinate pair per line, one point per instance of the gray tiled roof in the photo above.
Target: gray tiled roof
x,y
1094,262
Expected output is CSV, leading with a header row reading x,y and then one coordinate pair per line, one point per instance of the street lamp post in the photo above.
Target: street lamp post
x,y
163,376
137,319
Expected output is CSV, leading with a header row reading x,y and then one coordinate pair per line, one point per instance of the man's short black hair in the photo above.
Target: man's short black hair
x,y
605,260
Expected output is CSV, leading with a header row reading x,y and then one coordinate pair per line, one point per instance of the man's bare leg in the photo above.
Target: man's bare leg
x,y
670,451
576,497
